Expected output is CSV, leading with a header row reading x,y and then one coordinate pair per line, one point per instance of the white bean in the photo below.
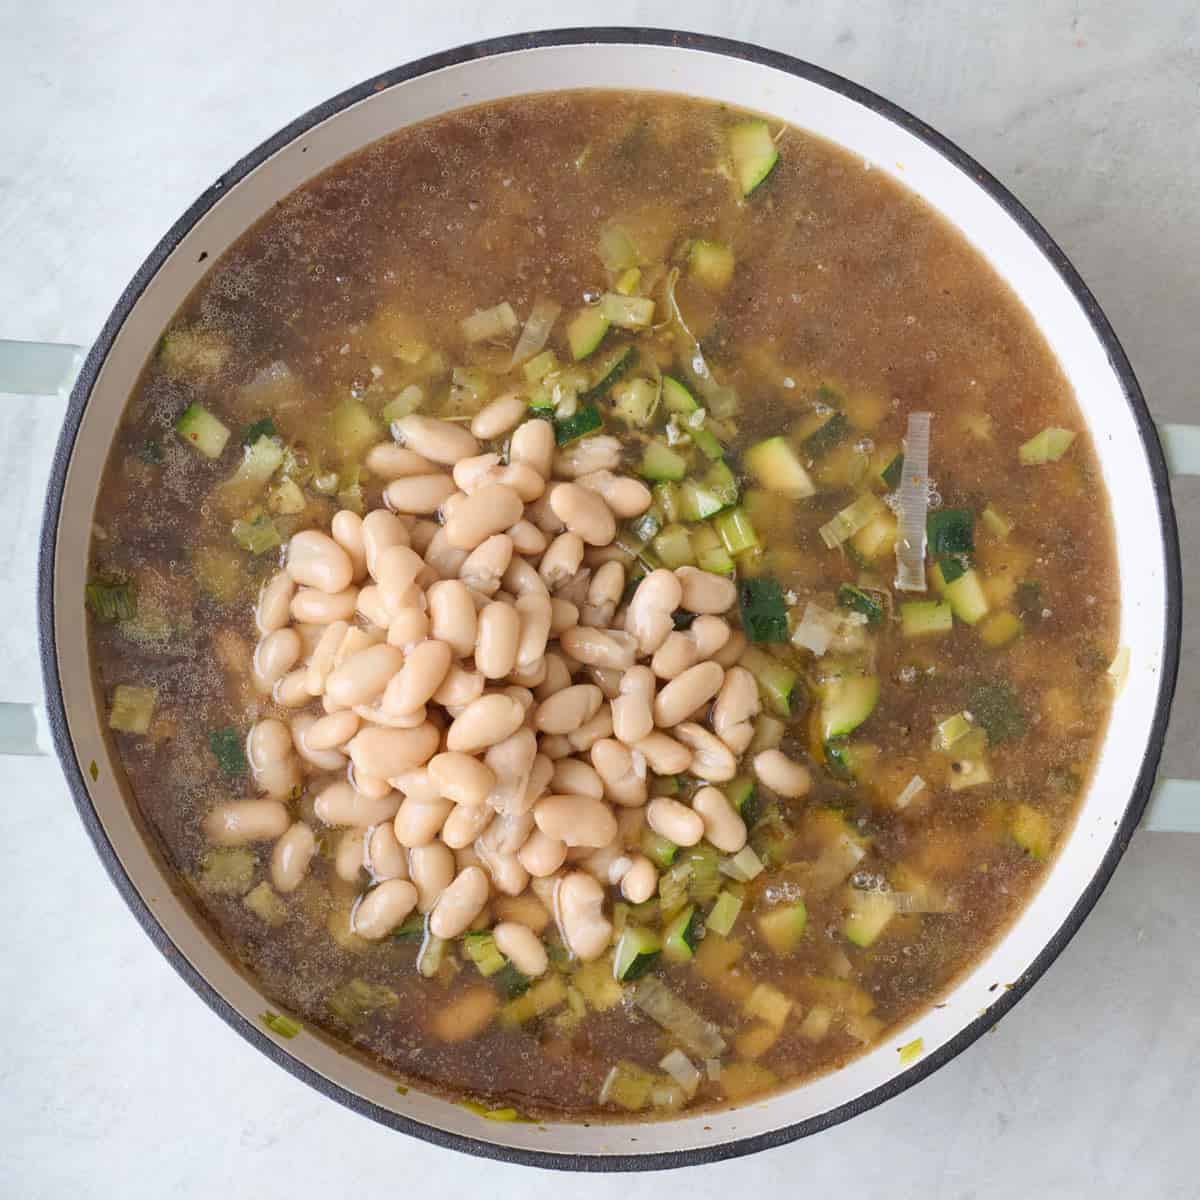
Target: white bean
x,y
384,908
527,538
239,822
419,821
522,947
452,616
484,722
342,804
484,567
291,856
616,766
274,602
723,827
567,710
584,513
331,731
274,657
460,903
575,820
649,616
387,752
704,592
674,821
632,710
612,649
462,778
497,633
504,413
684,694
533,443
364,675
386,857
389,461
489,510
574,776
782,775
431,868
640,882
314,559
439,441
424,671
346,529
712,760
579,910
421,494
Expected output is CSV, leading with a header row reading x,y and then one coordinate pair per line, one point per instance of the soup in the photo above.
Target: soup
x,y
604,604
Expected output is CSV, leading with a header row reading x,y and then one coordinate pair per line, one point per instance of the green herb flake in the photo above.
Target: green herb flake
x,y
763,610
226,745
492,1114
277,1023
996,707
151,452
93,770
911,1051
263,428
401,1089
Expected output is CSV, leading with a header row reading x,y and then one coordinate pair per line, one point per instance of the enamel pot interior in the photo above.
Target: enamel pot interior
x,y
885,139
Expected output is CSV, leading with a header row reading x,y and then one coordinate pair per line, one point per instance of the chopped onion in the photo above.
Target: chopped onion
x,y
682,1070
744,866
534,336
912,504
851,519
497,322
913,788
817,628
680,1020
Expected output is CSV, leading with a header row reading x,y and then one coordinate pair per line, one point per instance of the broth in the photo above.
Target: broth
x,y
944,736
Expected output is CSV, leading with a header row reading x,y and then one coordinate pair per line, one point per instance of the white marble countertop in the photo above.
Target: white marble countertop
x,y
114,1078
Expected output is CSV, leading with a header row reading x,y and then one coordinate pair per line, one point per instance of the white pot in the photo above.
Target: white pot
x,y
891,141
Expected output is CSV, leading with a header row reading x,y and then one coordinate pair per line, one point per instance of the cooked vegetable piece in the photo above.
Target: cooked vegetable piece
x,y
828,434
923,618
724,914
893,472
950,531
782,927
199,428
861,601
846,703
775,465
776,681
763,610
636,953
661,462
682,935
109,602
868,916
1046,447
226,746
585,332
584,420
754,153
132,708
994,704
480,948
711,263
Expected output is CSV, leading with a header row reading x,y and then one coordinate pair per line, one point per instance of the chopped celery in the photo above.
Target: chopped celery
x,y
132,708
660,851
776,680
584,420
109,602
693,1032
628,280
711,263
774,464
762,609
628,1086
722,482
736,531
876,538
286,499
480,948
487,324
666,497
256,532
674,547
661,462
285,1027
724,914
696,501
627,312
585,332
198,427
1046,447
753,152
706,443
920,618
744,866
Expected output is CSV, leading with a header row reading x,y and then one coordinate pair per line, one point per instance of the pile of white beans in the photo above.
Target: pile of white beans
x,y
480,714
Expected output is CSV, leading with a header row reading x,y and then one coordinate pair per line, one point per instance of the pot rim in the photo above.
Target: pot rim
x,y
627,35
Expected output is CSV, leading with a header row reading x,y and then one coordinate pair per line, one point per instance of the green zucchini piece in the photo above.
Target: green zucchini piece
x,y
859,600
585,332
826,436
660,851
637,951
198,427
710,552
966,597
676,397
613,367
661,462
722,482
741,792
763,609
950,531
922,618
711,264
682,935
783,926
674,547
724,914
1046,447
1031,831
697,502
846,703
893,472
869,915
776,681
636,400
775,465
706,443
584,420
753,152
627,312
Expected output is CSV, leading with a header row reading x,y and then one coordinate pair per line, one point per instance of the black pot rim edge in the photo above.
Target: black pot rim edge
x,y
1103,331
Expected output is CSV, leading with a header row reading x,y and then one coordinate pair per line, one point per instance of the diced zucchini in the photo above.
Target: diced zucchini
x,y
744,866
711,263
869,915
637,951
674,547
776,681
660,851
710,552
584,420
480,947
1046,447
616,247
753,152
1031,831
950,531
228,872
846,703
264,902
775,465
736,531
628,280
845,524
661,462
968,773
706,443
538,367
740,792
198,427
768,1003
676,397
626,312
636,400
923,618
585,332
832,430
682,935
997,523
966,597
893,472
696,501
666,498
724,914
132,708
260,460
859,600
783,926
762,609
876,538
256,532
1000,628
